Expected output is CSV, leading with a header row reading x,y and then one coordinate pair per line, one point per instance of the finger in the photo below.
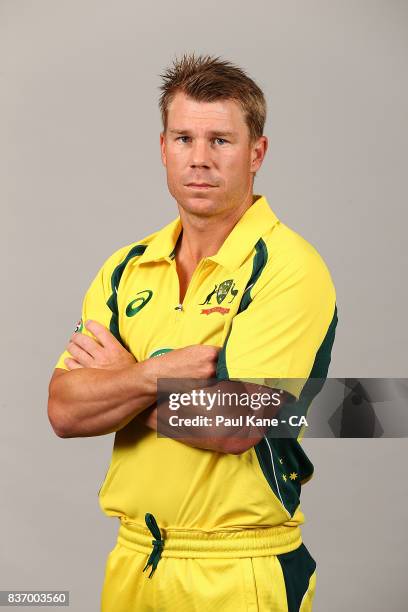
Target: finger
x,y
86,343
81,356
215,352
101,333
212,348
72,364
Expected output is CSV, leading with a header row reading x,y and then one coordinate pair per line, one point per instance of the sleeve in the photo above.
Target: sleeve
x,y
98,301
289,320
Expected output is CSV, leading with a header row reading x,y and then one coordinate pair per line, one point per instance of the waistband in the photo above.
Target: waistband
x,y
225,543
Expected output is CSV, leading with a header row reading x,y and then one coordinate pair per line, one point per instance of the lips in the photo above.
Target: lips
x,y
200,185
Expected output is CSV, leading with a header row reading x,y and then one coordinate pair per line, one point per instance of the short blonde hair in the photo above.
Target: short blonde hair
x,y
205,79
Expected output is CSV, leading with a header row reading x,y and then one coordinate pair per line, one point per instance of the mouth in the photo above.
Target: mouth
x,y
200,186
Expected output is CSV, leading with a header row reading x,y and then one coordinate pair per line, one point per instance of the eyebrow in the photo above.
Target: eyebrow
x,y
213,133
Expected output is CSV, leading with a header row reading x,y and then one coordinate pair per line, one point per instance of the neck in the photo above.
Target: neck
x,y
203,236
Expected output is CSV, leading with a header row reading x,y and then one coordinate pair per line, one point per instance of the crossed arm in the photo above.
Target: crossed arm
x,y
105,388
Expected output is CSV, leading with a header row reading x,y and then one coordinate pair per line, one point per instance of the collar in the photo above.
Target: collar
x,y
163,243
253,224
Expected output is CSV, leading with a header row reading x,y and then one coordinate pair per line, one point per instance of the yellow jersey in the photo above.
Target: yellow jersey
x,y
266,298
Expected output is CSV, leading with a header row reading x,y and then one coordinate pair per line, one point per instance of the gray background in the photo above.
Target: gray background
x,y
81,176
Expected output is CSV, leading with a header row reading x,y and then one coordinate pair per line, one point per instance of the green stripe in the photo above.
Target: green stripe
x,y
318,374
112,302
259,263
298,567
323,355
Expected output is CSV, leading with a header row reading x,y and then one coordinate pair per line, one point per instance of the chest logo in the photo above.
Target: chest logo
x,y
223,290
220,292
138,303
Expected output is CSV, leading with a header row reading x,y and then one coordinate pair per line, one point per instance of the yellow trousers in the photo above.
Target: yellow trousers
x,y
251,570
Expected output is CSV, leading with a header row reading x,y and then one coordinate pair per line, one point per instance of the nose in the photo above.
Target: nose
x,y
200,154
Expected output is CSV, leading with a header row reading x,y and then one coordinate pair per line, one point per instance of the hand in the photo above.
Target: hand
x,y
103,351
195,361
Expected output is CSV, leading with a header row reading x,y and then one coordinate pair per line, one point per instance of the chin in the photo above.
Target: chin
x,y
204,206
199,203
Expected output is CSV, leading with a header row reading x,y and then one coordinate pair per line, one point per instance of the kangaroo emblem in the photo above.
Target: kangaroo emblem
x,y
209,296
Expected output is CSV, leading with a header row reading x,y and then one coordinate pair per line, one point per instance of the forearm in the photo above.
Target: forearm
x,y
235,444
233,439
91,402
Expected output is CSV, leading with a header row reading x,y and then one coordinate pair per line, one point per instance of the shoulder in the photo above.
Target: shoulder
x,y
125,253
293,261
115,263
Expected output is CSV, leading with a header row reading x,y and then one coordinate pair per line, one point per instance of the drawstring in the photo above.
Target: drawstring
x,y
158,543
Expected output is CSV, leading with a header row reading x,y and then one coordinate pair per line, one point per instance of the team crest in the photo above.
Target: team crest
x,y
223,290
220,292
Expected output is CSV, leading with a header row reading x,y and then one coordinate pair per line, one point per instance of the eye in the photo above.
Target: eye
x,y
183,137
220,140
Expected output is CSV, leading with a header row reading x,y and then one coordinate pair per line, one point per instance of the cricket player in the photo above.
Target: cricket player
x,y
228,291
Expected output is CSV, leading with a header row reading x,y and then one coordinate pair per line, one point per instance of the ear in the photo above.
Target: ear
x,y
258,151
163,148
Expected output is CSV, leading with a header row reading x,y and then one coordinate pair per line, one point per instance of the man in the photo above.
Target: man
x,y
226,290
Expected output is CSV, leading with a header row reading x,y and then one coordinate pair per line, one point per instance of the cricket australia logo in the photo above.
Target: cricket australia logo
x,y
138,303
220,292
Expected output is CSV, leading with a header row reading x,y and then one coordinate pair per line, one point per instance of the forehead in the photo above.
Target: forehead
x,y
219,113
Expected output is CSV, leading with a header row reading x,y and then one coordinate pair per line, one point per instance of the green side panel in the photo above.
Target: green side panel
x,y
297,567
259,263
112,302
285,465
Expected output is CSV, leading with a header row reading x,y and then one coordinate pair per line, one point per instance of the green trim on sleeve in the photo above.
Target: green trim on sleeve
x,y
318,374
